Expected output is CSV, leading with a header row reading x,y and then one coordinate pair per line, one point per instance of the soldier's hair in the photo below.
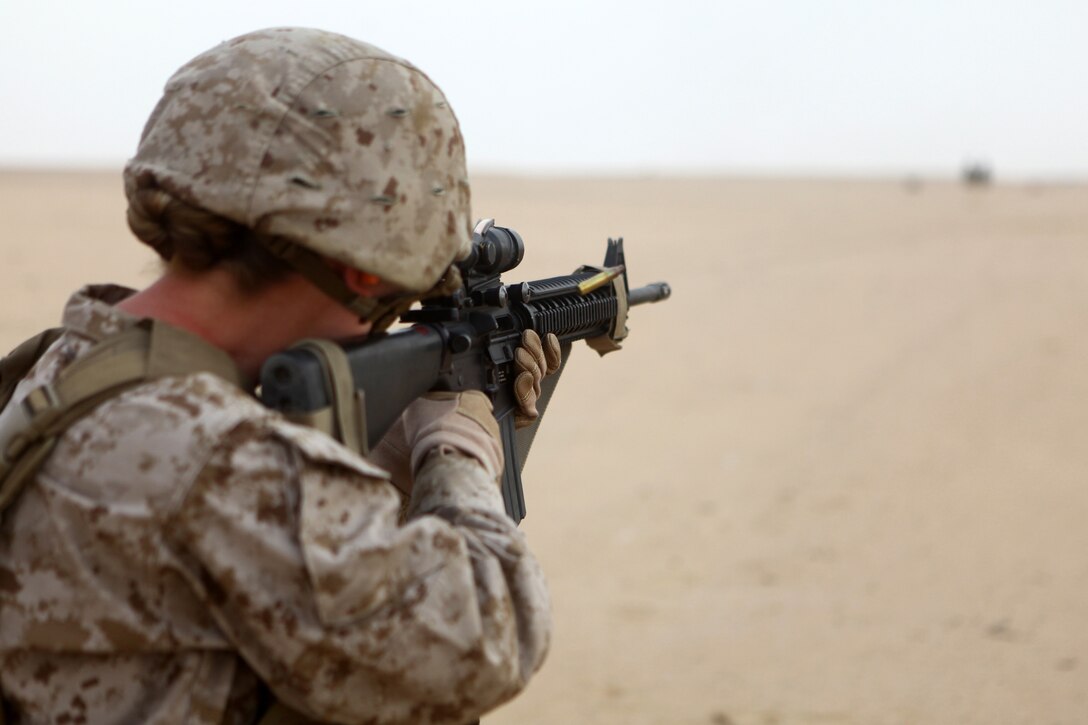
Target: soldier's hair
x,y
197,240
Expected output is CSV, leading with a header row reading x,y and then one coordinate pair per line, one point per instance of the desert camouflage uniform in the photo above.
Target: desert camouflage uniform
x,y
183,544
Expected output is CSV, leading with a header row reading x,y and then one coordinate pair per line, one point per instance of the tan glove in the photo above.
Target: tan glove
x,y
403,448
460,421
533,360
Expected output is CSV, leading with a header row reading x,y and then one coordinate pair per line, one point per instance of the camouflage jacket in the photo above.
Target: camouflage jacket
x,y
184,548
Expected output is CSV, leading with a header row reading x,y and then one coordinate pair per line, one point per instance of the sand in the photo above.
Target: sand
x,y
838,478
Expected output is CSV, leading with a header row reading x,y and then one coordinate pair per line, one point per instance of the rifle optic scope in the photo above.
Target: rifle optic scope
x,y
494,250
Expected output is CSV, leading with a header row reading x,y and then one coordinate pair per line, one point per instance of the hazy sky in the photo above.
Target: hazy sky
x,y
810,86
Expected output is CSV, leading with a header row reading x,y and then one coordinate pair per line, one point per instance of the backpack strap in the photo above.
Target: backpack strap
x,y
29,429
17,363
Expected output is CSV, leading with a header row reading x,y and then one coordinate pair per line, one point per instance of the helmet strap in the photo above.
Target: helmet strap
x,y
380,312
312,266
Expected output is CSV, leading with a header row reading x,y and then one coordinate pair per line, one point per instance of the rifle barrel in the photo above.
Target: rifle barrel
x,y
654,292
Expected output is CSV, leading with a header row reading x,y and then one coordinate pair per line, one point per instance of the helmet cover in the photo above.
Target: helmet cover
x,y
320,139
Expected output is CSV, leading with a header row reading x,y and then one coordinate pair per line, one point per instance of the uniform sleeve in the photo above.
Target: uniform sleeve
x,y
347,616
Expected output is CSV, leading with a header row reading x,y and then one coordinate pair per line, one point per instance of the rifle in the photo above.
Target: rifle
x,y
466,341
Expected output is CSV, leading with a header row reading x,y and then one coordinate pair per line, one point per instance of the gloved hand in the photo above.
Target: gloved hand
x,y
460,421
533,360
413,435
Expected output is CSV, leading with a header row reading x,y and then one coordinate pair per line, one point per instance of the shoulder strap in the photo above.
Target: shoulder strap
x,y
17,363
30,428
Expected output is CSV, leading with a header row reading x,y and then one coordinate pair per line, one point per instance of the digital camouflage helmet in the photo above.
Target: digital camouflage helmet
x,y
330,145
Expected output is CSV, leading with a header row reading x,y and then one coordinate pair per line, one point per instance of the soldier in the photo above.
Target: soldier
x,y
182,554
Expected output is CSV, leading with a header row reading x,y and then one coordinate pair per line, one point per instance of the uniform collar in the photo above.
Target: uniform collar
x,y
91,311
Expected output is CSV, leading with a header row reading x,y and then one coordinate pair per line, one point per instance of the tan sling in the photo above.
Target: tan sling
x,y
30,428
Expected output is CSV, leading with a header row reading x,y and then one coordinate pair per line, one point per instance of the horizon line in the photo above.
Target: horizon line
x,y
814,173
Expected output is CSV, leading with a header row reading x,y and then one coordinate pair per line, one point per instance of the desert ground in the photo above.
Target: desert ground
x,y
839,478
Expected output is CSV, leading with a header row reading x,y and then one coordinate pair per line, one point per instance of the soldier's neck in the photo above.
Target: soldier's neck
x,y
248,326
